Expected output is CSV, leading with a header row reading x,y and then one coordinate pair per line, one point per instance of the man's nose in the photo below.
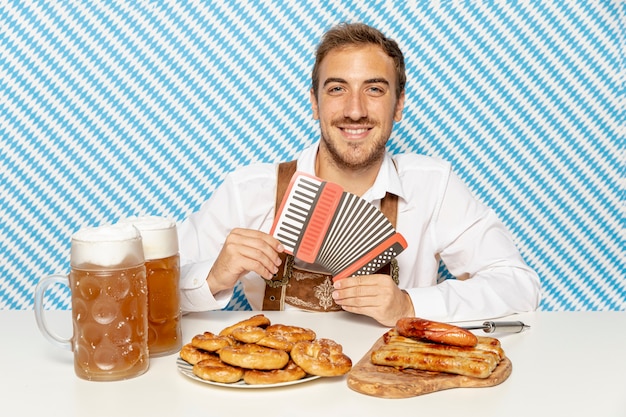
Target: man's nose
x,y
355,108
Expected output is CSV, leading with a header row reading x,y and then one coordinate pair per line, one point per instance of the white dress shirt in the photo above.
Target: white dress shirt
x,y
437,215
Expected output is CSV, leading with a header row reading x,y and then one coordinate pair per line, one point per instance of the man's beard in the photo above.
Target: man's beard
x,y
375,154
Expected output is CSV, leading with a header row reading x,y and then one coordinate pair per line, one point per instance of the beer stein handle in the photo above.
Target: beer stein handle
x,y
40,290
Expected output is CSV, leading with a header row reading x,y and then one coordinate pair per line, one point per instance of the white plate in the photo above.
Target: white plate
x,y
186,369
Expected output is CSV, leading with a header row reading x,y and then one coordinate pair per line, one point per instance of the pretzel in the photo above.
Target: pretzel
x,y
283,337
276,341
291,372
255,321
216,370
248,334
252,356
292,333
211,342
322,357
193,355
275,336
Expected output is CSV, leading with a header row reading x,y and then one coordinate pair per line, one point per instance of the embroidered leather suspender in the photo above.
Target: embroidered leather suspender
x,y
305,289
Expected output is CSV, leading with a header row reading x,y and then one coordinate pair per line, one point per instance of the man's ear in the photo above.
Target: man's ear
x,y
314,107
397,115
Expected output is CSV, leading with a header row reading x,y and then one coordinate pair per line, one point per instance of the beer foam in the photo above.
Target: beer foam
x,y
107,246
159,236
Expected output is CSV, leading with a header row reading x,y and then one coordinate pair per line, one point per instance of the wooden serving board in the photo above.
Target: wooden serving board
x,y
389,382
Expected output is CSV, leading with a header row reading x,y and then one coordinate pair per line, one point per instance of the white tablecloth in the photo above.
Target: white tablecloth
x,y
567,364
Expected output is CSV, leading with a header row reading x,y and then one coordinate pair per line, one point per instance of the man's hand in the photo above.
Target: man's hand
x,y
244,251
376,296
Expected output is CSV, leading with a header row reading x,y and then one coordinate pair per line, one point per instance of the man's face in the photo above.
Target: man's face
x,y
356,106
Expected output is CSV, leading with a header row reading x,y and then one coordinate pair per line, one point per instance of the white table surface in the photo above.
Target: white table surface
x,y
567,364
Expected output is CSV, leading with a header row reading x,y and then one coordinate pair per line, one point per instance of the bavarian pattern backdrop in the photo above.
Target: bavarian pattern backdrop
x,y
117,108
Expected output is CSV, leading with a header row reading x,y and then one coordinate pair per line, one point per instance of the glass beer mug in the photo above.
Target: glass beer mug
x,y
109,295
160,249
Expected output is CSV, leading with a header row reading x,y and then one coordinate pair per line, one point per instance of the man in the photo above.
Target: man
x,y
357,95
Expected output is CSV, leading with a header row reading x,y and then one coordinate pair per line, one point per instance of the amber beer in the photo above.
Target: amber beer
x,y
109,304
160,246
110,311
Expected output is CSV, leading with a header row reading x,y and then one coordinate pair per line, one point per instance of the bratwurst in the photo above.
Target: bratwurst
x,y
433,331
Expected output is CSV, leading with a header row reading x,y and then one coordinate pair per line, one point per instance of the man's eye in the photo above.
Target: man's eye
x,y
377,91
335,89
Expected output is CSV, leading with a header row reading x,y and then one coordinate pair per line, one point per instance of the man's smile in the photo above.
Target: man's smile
x,y
355,131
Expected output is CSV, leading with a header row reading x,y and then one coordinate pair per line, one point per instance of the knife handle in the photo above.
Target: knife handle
x,y
504,326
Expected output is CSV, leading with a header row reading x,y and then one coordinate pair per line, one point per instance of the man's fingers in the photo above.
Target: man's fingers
x,y
250,251
261,238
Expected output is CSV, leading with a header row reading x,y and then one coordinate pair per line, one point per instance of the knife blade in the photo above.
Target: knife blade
x,y
500,326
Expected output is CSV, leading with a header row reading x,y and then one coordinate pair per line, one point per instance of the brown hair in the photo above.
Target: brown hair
x,y
351,34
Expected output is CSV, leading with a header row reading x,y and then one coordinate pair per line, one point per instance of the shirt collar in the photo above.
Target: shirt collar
x,y
387,180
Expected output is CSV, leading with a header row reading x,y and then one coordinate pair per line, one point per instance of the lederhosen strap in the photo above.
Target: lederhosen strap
x,y
305,289
276,287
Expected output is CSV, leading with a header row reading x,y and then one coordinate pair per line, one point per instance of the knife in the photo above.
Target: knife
x,y
502,326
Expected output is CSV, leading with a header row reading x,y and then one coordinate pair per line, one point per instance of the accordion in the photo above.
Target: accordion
x,y
320,223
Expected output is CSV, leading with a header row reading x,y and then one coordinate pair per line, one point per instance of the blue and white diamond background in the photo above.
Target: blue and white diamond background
x,y
118,108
